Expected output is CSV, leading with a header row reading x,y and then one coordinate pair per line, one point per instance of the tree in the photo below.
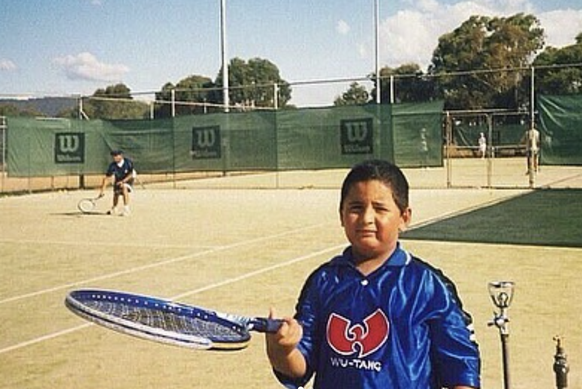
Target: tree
x,y
555,79
103,105
410,84
486,44
355,95
13,110
251,84
192,89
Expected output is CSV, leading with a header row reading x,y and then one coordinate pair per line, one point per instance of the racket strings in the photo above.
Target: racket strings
x,y
167,320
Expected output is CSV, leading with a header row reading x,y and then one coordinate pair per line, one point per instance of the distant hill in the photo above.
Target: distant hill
x,y
49,106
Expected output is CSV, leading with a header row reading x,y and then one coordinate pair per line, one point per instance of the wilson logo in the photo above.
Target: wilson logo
x,y
68,143
357,136
206,138
356,131
206,143
361,339
70,148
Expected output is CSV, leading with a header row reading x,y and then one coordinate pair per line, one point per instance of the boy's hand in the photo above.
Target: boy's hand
x,y
288,336
282,347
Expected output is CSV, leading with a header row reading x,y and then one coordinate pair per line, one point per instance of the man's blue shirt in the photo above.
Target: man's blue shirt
x,y
120,172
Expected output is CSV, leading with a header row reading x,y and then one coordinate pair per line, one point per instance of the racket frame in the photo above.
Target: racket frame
x,y
239,324
91,201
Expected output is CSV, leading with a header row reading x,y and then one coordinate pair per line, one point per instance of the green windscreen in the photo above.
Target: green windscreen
x,y
336,137
560,119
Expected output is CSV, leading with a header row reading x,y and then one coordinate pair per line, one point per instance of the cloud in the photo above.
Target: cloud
x,y
7,65
554,22
363,50
96,2
412,33
85,66
342,27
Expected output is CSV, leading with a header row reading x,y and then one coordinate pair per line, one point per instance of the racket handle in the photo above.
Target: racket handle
x,y
260,324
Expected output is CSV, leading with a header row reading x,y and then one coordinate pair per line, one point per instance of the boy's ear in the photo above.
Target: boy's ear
x,y
405,219
341,216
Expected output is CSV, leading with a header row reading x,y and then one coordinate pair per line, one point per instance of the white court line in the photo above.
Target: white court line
x,y
182,295
259,271
112,244
43,338
157,264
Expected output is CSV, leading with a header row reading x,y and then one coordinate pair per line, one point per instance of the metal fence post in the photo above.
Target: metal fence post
x,y
3,128
448,144
490,150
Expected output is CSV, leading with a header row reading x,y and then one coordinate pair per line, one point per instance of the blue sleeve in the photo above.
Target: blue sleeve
x,y
129,165
110,170
306,315
454,353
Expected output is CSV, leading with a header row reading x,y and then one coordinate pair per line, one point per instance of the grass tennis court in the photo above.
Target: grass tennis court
x,y
244,251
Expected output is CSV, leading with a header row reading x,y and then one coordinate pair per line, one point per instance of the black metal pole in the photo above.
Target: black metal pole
x,y
505,359
561,367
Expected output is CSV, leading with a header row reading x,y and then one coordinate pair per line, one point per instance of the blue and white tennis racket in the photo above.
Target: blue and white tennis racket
x,y
165,321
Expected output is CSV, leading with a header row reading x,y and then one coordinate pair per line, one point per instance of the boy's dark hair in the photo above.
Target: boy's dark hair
x,y
383,171
116,152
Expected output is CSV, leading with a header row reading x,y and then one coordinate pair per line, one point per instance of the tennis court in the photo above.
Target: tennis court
x,y
245,250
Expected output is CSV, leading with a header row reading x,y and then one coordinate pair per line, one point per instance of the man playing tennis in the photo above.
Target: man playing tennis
x,y
376,317
122,170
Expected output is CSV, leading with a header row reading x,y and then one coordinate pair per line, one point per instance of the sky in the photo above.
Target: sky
x,y
68,47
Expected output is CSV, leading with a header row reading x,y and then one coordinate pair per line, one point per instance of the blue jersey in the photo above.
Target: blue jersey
x,y
401,326
120,172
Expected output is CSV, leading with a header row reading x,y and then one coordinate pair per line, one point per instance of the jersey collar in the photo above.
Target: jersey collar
x,y
399,258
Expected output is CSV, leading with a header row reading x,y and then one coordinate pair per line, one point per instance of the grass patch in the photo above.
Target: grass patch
x,y
542,217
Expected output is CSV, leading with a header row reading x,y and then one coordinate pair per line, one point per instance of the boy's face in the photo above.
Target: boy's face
x,y
372,220
117,158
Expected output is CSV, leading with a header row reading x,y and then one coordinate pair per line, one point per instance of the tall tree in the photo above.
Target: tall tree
x,y
355,95
558,79
251,84
410,84
113,103
195,89
7,109
481,44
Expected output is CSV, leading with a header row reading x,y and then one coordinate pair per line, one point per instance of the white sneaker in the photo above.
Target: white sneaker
x,y
126,212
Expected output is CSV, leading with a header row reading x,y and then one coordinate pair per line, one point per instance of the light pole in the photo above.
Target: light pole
x,y
223,55
377,51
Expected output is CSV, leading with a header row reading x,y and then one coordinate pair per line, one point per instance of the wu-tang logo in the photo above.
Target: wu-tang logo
x,y
70,147
363,339
357,136
206,143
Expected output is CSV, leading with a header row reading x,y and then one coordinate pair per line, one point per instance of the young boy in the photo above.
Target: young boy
x,y
122,170
375,316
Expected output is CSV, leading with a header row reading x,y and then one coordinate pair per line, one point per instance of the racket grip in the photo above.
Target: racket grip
x,y
266,325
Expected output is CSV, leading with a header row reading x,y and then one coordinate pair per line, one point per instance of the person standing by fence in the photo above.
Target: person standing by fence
x,y
482,145
532,148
